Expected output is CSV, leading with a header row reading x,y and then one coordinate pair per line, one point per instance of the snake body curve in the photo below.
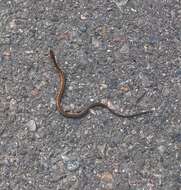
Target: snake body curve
x,y
85,111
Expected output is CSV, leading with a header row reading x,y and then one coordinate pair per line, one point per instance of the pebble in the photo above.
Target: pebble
x,y
12,24
101,149
124,49
70,163
103,86
161,149
13,105
83,28
178,72
124,88
32,125
29,52
83,17
7,54
35,92
103,31
106,180
52,102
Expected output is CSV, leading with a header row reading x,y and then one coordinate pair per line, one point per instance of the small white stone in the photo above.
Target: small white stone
x,y
161,149
12,24
70,87
83,17
29,52
103,86
32,125
134,10
13,105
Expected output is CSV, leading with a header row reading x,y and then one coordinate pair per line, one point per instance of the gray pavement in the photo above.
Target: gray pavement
x,y
111,50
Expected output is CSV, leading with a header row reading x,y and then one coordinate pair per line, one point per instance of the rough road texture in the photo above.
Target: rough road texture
x,y
109,49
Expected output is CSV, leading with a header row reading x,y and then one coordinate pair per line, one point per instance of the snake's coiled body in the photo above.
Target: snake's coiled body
x,y
84,111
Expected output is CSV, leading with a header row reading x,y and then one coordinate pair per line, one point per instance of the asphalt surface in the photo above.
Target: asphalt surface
x,y
110,50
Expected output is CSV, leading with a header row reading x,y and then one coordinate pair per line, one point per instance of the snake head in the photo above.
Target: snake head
x,y
52,55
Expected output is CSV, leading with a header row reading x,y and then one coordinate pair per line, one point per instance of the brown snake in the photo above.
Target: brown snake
x,y
84,111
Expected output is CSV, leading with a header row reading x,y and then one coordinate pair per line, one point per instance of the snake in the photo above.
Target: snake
x,y
84,111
